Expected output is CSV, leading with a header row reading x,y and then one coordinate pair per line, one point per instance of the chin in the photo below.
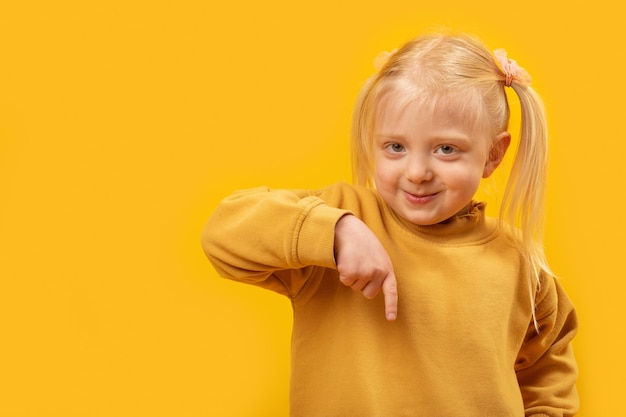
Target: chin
x,y
422,221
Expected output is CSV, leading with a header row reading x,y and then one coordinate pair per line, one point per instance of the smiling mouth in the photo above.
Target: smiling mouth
x,y
419,198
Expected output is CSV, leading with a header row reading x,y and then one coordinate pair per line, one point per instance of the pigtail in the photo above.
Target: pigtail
x,y
524,197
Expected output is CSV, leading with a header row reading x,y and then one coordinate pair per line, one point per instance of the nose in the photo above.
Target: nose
x,y
418,169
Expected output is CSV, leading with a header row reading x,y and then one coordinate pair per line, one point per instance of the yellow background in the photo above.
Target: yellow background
x,y
123,123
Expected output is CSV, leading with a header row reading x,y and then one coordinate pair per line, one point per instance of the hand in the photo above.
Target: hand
x,y
363,263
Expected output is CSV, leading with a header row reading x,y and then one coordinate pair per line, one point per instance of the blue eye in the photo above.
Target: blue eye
x,y
446,149
395,147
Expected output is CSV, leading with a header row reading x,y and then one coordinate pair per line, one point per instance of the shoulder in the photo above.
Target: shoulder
x,y
337,192
350,197
340,195
551,297
343,189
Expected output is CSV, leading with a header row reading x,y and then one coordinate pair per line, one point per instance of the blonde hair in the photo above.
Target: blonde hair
x,y
433,67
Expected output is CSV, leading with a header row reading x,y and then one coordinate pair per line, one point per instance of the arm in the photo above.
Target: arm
x,y
254,233
546,368
254,236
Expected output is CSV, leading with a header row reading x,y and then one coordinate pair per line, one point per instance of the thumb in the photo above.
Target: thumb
x,y
390,293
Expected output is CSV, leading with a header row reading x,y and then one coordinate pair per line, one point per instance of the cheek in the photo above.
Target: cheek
x,y
379,181
384,174
467,178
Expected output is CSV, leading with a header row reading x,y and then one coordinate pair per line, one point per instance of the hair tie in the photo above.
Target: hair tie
x,y
512,71
381,60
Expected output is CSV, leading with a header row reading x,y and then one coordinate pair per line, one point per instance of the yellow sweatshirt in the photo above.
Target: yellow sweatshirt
x,y
464,343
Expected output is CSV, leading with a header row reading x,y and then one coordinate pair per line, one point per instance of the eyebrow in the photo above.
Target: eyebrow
x,y
389,136
440,135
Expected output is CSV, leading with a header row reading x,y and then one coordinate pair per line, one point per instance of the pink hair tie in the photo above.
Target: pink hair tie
x,y
512,71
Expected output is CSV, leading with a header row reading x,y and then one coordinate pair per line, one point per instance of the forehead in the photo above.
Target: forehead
x,y
443,109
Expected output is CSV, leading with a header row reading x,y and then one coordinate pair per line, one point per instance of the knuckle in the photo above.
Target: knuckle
x,y
391,290
378,270
346,280
370,295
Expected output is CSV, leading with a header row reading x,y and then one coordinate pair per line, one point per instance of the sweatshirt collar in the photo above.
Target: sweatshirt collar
x,y
469,226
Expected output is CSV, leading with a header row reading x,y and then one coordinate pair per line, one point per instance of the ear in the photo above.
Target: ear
x,y
497,152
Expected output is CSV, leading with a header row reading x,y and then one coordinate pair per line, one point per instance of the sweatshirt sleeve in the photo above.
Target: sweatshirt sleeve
x,y
546,367
254,234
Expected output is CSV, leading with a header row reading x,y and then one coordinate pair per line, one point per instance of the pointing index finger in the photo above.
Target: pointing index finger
x,y
390,293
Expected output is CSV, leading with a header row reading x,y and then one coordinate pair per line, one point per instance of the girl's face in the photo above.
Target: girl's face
x,y
428,164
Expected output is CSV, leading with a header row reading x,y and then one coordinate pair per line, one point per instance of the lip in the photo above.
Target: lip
x,y
419,199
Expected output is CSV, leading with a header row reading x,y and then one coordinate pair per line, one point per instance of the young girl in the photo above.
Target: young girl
x,y
475,323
